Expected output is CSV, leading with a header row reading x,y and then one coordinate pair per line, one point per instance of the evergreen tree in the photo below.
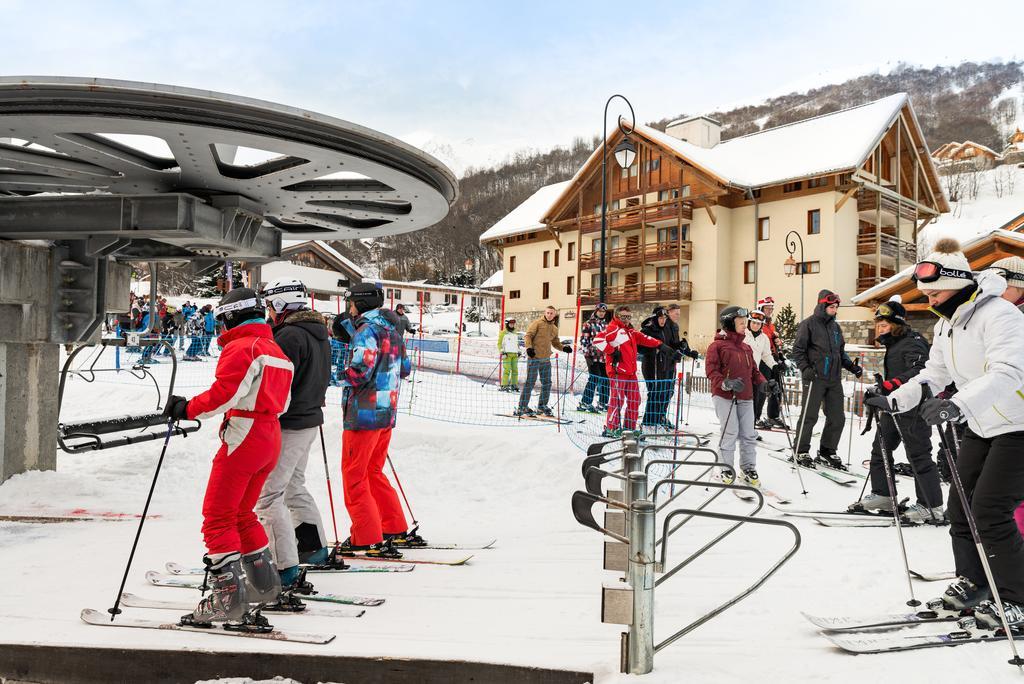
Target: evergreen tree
x,y
785,325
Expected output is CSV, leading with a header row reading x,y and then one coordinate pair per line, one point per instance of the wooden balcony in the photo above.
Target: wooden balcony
x,y
629,218
867,206
636,294
891,246
630,257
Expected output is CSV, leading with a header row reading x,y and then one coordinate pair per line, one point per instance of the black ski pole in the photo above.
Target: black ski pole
x,y
488,378
893,501
789,437
965,504
115,610
931,504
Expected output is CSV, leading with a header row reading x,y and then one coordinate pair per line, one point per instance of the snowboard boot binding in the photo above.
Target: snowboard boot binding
x,y
964,594
262,581
228,599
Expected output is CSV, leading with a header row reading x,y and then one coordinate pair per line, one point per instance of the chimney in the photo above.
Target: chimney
x,y
701,131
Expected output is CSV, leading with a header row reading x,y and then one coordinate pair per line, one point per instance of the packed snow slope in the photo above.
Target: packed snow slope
x,y
532,600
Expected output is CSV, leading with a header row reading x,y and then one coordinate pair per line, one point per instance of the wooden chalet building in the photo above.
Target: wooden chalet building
x,y
704,223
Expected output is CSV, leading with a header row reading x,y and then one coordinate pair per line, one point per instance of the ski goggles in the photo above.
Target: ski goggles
x,y
222,309
830,300
757,316
624,315
1006,273
930,271
886,311
601,307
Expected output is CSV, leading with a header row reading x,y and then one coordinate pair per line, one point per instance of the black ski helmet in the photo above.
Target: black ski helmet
x,y
366,296
729,315
239,305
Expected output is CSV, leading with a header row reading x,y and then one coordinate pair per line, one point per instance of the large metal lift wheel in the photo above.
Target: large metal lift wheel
x,y
324,179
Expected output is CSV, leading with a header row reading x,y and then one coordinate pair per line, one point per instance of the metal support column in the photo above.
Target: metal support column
x,y
640,639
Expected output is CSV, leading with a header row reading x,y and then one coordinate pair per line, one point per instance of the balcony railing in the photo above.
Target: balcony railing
x,y
630,257
867,246
631,217
867,202
635,294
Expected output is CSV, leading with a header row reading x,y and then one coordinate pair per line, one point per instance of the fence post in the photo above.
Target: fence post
x,y
458,349
575,346
640,652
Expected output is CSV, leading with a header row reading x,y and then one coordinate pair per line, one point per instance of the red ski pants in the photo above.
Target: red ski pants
x,y
236,480
371,501
624,391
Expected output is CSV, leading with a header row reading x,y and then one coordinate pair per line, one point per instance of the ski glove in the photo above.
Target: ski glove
x,y
857,370
807,374
692,354
773,387
877,401
176,408
567,349
616,357
733,384
530,352
938,411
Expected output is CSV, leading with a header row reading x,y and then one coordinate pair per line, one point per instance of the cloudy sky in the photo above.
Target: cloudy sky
x,y
489,78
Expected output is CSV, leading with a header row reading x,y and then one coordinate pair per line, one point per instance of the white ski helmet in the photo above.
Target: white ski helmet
x,y
285,293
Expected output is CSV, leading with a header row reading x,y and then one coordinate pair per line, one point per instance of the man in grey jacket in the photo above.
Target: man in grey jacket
x,y
404,327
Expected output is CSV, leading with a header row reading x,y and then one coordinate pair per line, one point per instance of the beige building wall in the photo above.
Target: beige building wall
x,y
530,275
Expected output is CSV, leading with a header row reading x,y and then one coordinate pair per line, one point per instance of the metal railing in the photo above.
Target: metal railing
x,y
633,294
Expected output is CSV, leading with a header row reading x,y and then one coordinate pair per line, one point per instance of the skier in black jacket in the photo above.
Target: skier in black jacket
x,y
657,367
820,353
286,509
906,353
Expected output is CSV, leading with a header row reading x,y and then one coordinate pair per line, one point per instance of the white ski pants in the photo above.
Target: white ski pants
x,y
737,424
285,503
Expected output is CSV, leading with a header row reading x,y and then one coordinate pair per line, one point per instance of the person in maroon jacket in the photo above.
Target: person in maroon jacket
x,y
619,343
733,374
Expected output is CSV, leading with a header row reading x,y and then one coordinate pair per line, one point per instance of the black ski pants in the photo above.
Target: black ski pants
x,y
761,394
597,381
820,393
992,472
917,441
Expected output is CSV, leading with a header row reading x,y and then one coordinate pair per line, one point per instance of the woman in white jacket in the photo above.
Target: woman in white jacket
x,y
977,345
761,345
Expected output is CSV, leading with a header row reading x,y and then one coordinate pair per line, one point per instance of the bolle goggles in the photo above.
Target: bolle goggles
x,y
830,300
625,315
930,271
757,316
1006,273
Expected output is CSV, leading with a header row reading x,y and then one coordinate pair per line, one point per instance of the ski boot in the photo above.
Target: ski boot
x,y
228,599
964,594
919,514
318,557
830,460
611,433
601,408
262,581
666,424
987,616
524,412
777,424
409,539
725,476
545,411
903,469
293,580
586,408
763,424
871,503
750,478
804,460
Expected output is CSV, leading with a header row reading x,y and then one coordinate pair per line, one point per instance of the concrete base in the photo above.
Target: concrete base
x,y
28,407
90,665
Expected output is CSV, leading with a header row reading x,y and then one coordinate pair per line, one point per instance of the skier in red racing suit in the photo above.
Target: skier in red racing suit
x,y
252,388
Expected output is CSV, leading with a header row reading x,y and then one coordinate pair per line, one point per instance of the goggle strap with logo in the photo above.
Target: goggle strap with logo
x,y
1008,274
281,289
251,303
930,271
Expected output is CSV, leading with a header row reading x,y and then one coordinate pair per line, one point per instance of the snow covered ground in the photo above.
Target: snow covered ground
x,y
534,599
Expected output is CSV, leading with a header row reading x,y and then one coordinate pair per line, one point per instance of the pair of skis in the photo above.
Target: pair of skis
x,y
888,632
540,418
852,518
840,477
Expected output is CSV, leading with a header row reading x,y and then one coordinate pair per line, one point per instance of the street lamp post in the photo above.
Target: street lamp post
x,y
791,267
470,263
625,155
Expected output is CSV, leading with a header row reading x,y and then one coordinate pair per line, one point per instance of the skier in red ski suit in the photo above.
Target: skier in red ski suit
x,y
252,388
619,343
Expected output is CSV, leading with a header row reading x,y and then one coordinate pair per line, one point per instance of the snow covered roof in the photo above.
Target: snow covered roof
x,y
291,244
319,280
817,146
496,280
527,216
